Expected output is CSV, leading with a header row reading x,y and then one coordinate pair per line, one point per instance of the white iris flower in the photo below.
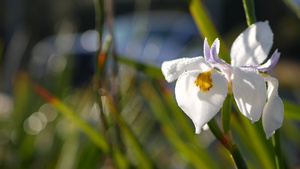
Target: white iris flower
x,y
204,82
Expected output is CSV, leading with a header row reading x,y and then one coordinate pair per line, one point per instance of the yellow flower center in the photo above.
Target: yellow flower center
x,y
204,81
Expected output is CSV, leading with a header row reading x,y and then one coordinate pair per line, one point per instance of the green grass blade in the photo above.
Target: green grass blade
x,y
226,113
278,152
291,110
249,11
150,70
181,119
206,26
256,138
145,161
199,159
94,135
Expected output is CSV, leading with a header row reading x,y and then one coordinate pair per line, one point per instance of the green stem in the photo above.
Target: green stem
x,y
206,26
249,11
238,158
214,128
141,154
227,141
99,20
226,113
277,148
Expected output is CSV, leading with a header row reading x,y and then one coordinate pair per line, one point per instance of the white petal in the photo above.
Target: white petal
x,y
249,90
200,106
205,127
273,112
252,46
174,68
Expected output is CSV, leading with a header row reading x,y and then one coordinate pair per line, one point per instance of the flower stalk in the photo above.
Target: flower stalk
x,y
214,128
226,137
238,158
249,11
277,148
226,111
227,142
206,26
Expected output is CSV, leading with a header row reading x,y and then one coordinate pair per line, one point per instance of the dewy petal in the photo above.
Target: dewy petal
x,y
252,46
272,117
249,90
174,68
200,106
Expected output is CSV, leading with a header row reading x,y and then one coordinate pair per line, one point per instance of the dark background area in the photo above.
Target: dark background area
x,y
37,20
42,18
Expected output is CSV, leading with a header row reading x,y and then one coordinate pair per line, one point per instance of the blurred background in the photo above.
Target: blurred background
x,y
55,43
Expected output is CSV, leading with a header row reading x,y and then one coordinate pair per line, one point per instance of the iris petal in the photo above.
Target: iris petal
x,y
249,92
273,112
215,47
211,54
174,68
270,63
200,106
206,50
252,46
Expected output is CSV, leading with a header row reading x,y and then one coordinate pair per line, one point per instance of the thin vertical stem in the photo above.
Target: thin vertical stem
x,y
214,128
145,160
226,114
99,67
238,158
99,21
249,11
228,143
277,148
250,16
206,26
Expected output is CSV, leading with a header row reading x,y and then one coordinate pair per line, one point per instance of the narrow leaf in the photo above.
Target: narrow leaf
x,y
291,110
199,158
94,135
150,70
206,26
143,157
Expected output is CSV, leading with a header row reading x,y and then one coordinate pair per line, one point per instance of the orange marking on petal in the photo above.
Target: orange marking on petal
x,y
204,81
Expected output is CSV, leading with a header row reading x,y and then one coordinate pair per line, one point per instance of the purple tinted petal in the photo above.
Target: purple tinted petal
x,y
270,63
215,48
211,56
207,53
215,51
251,66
